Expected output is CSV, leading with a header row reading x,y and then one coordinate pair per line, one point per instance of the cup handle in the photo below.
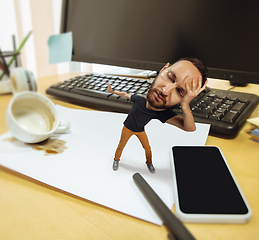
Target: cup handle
x,y
63,127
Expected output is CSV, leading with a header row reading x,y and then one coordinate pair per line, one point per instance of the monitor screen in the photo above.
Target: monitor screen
x,y
146,34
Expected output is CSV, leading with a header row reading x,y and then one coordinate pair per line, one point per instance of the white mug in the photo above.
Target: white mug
x,y
20,80
31,117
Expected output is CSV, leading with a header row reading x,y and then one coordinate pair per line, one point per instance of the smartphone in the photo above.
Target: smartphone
x,y
204,187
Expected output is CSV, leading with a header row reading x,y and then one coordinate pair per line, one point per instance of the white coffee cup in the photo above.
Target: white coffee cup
x,y
31,117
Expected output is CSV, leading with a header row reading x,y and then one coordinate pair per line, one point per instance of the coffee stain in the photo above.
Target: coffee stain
x,y
49,146
10,139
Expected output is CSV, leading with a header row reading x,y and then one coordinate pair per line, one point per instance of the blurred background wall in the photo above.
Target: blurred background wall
x,y
18,18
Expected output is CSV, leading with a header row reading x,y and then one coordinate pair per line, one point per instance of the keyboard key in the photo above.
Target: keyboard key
x,y
202,105
231,116
219,100
61,86
217,115
103,89
214,104
222,110
226,106
212,95
232,98
206,90
196,98
208,99
222,95
145,85
193,103
118,88
229,102
201,95
245,100
201,112
90,93
212,109
67,88
125,89
239,106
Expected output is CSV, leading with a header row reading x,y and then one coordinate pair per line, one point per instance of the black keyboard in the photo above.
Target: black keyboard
x,y
226,111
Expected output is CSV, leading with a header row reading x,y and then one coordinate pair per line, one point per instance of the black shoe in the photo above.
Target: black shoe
x,y
115,165
151,168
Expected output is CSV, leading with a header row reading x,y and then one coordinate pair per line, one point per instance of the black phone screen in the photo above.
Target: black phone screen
x,y
204,183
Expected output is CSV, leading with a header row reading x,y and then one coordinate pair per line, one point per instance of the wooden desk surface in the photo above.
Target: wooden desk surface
x,y
32,210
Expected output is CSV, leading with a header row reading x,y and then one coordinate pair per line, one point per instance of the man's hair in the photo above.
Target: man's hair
x,y
198,64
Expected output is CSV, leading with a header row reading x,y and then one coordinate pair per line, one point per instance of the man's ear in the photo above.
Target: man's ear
x,y
166,66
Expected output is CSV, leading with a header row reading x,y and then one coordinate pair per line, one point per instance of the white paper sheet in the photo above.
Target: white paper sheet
x,y
85,167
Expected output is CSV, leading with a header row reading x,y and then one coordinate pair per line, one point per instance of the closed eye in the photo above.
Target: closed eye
x,y
171,76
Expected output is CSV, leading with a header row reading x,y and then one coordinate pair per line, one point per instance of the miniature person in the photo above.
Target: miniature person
x,y
178,83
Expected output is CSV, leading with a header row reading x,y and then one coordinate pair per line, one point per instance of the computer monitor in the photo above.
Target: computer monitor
x,y
146,34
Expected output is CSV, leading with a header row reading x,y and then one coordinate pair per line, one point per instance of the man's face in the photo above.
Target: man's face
x,y
169,87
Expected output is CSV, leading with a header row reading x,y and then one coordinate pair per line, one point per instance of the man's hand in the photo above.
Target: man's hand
x,y
193,88
121,94
109,88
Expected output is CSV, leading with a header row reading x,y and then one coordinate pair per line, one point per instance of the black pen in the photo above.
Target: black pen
x,y
174,225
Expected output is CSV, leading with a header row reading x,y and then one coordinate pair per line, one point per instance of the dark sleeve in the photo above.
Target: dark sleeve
x,y
169,113
133,98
